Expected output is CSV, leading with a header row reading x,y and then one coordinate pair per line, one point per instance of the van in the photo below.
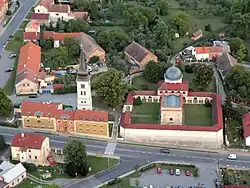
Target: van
x,y
232,156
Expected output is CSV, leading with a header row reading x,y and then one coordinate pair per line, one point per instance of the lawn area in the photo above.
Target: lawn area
x,y
236,177
9,86
23,24
198,114
146,113
97,164
189,77
28,16
14,46
27,184
140,83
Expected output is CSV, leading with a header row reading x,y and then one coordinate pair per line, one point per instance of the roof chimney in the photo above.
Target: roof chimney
x,y
24,65
22,135
28,57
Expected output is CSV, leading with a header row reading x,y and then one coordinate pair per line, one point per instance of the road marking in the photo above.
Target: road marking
x,y
110,149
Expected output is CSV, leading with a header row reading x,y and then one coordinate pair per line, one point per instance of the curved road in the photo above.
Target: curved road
x,y
136,155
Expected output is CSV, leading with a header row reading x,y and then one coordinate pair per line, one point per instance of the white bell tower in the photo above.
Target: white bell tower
x,y
84,98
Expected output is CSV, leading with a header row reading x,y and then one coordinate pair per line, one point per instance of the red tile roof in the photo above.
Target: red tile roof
x,y
29,58
246,124
217,118
34,25
32,36
87,115
28,141
174,87
39,16
209,50
59,8
59,36
46,3
81,15
2,3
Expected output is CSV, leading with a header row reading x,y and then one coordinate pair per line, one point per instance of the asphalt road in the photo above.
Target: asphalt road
x,y
132,155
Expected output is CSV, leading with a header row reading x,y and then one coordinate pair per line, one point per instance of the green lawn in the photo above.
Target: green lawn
x,y
27,184
140,83
28,16
14,46
18,36
9,86
146,113
189,77
198,114
23,24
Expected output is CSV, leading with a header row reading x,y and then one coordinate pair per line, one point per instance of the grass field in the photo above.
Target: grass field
x,y
23,24
197,114
189,77
146,113
27,184
140,83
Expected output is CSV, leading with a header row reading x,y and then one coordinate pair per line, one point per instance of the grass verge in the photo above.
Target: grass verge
x,y
9,86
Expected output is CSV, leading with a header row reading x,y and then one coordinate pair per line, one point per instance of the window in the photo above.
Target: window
x,y
101,130
28,84
184,93
38,121
17,179
84,93
81,101
57,14
94,129
22,157
35,157
30,156
83,86
22,176
29,150
81,93
13,183
170,119
24,85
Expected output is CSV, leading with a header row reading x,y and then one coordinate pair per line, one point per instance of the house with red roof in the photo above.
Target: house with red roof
x,y
43,6
54,117
41,18
32,26
30,148
3,9
172,95
208,52
246,128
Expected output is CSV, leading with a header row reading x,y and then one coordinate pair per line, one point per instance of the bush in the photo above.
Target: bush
x,y
137,101
148,167
189,68
208,104
8,13
195,172
30,167
115,181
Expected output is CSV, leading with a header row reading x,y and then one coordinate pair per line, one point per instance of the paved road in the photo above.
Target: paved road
x,y
134,155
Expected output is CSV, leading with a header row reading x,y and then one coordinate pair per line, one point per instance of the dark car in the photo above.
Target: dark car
x,y
171,171
33,96
13,55
165,150
9,70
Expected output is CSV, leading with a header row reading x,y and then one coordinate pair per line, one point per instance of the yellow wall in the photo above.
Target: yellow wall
x,y
175,115
26,87
45,123
40,9
92,128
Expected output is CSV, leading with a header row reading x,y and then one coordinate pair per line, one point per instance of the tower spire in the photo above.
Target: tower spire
x,y
83,69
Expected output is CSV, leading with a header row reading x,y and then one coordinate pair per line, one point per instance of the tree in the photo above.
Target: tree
x,y
18,3
78,25
60,27
49,44
153,71
137,101
118,63
8,12
208,27
58,57
203,75
228,107
238,49
75,157
110,87
163,6
93,10
94,59
181,22
72,46
2,142
5,104
115,39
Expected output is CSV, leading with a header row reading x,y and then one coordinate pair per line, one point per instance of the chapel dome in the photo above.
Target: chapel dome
x,y
173,74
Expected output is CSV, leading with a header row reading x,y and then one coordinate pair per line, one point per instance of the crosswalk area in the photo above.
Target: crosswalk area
x,y
110,149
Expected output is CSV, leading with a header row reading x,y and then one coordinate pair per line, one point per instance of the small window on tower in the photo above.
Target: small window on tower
x,y
170,119
82,86
81,93
84,93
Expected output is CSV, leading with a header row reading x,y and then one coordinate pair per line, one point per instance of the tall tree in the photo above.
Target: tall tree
x,y
153,71
72,46
110,87
203,75
181,22
5,104
75,156
78,25
93,10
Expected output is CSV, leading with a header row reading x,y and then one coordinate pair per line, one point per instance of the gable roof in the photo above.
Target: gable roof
x,y
46,3
26,74
39,16
197,33
88,44
88,115
29,58
28,141
80,15
13,172
137,51
174,86
209,49
246,124
34,25
225,62
59,36
59,8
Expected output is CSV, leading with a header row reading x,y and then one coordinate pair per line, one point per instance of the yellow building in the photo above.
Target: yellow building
x,y
30,148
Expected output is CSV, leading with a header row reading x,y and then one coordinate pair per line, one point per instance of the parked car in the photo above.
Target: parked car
x,y
9,70
177,172
171,171
12,55
232,156
164,150
187,173
33,96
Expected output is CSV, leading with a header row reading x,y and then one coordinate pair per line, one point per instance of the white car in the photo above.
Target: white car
x,y
177,172
232,156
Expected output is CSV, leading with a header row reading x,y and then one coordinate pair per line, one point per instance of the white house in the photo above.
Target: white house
x,y
11,175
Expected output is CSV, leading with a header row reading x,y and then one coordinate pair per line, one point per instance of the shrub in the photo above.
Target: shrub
x,y
137,101
208,104
189,68
8,13
148,167
30,167
195,172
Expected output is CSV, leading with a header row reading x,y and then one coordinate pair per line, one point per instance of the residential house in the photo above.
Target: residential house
x,y
246,128
30,148
41,18
53,117
197,35
3,9
139,55
33,26
224,63
90,47
28,69
43,6
208,53
11,175
59,11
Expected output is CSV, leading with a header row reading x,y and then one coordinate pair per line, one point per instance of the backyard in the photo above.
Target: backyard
x,y
140,83
236,177
146,113
198,115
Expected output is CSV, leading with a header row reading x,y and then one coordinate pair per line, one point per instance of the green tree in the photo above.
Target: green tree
x,y
163,6
75,156
208,27
60,27
181,22
78,25
241,53
238,49
42,41
94,59
110,87
137,101
203,75
93,10
81,5
153,71
118,63
5,104
2,142
58,57
72,46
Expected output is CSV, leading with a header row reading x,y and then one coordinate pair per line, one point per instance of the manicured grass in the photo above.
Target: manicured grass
x,y
27,184
9,86
23,24
14,46
198,115
189,77
146,113
140,83
28,16
18,36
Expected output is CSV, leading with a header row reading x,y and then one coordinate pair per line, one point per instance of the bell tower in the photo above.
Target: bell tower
x,y
84,98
